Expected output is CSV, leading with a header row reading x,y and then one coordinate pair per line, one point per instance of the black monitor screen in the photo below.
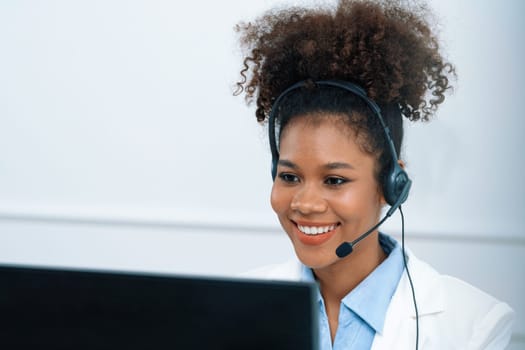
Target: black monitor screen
x,y
60,308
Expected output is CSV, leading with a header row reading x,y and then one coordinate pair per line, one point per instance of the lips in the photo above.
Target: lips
x,y
314,234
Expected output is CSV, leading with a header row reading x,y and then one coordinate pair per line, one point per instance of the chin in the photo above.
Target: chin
x,y
316,259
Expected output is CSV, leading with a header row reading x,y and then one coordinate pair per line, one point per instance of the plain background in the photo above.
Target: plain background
x,y
122,147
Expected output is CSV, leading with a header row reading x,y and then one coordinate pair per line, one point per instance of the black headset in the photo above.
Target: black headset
x,y
395,186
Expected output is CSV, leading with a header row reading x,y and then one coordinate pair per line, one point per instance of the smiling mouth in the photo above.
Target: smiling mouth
x,y
316,230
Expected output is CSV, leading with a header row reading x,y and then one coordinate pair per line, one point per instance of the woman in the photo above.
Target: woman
x,y
334,85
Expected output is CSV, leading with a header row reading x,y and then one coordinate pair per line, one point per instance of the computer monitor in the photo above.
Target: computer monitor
x,y
51,308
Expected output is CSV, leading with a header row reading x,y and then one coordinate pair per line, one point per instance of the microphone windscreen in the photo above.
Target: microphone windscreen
x,y
344,249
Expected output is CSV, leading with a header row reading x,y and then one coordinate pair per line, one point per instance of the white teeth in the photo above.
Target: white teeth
x,y
315,230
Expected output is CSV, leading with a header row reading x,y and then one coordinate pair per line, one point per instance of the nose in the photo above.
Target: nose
x,y
308,200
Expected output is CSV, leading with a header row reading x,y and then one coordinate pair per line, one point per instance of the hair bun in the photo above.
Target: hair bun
x,y
385,47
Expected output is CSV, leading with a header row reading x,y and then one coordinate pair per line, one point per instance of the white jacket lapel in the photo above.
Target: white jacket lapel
x,y
400,326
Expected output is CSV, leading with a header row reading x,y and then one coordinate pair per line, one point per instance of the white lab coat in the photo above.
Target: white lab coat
x,y
452,313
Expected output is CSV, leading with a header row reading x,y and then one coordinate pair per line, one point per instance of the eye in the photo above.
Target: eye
x,y
335,181
288,178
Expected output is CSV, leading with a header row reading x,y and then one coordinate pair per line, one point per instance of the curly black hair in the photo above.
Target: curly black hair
x,y
386,47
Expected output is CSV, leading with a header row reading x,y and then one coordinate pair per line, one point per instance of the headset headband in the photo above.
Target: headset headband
x,y
345,85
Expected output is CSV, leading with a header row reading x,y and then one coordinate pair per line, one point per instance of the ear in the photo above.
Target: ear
x,y
401,164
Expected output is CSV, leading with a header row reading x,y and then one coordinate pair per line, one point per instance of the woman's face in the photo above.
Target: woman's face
x,y
325,192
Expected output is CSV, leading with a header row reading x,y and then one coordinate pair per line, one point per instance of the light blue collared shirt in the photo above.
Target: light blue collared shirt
x,y
362,311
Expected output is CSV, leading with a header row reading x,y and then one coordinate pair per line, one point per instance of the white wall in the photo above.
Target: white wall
x,y
121,146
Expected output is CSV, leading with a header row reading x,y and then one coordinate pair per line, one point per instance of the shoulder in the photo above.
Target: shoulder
x,y
463,313
486,320
286,271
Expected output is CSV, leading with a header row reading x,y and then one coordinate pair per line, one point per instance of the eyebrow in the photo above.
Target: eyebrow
x,y
330,166
288,164
338,165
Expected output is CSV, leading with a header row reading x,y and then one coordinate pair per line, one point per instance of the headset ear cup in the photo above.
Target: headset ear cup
x,y
395,184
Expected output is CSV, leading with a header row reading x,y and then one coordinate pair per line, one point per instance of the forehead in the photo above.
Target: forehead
x,y
323,135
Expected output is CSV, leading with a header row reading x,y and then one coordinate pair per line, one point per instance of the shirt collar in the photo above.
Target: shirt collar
x,y
370,299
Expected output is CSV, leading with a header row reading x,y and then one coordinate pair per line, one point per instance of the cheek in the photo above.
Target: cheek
x,y
360,199
278,199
